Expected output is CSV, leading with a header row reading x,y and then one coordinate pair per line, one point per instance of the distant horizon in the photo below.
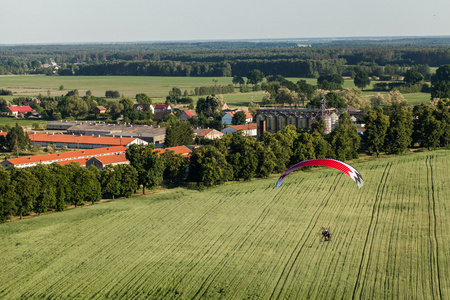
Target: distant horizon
x,y
292,39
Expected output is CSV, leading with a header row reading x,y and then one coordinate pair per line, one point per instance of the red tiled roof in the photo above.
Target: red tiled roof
x,y
80,161
20,109
100,107
190,113
205,132
161,106
80,139
66,156
185,151
111,159
247,114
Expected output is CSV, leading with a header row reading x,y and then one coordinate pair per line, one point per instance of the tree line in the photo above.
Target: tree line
x,y
193,60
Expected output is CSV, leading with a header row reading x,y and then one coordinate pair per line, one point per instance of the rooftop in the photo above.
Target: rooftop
x,y
64,156
80,139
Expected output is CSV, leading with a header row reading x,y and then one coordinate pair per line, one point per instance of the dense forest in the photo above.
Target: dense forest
x,y
292,58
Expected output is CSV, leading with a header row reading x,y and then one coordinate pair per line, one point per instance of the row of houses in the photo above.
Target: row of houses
x,y
98,157
149,134
82,141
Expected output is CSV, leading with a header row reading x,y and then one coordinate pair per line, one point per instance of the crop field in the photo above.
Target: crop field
x,y
156,87
248,240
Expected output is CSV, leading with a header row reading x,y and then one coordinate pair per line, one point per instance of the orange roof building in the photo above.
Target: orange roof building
x,y
183,150
82,141
101,161
248,129
210,134
228,116
80,157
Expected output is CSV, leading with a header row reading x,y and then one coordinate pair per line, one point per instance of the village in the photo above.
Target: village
x,y
103,137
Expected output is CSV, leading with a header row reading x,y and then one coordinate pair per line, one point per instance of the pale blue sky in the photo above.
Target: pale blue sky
x,y
79,21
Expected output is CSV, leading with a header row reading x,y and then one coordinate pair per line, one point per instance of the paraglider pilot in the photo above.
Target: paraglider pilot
x,y
326,235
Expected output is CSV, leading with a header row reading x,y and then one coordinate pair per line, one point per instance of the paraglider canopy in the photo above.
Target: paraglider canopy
x,y
326,162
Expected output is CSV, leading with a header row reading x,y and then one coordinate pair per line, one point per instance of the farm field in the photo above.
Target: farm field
x,y
156,87
248,240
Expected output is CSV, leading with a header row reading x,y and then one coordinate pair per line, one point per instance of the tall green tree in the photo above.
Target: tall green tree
x,y
322,148
255,76
303,148
143,99
399,133
26,187
335,78
209,166
374,136
242,155
344,139
266,160
239,118
47,190
281,144
148,164
209,106
306,89
440,83
17,139
238,80
127,103
111,181
442,114
129,179
176,166
427,129
361,79
412,76
179,133
7,196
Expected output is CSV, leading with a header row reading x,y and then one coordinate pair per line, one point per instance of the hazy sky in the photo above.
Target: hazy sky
x,y
77,21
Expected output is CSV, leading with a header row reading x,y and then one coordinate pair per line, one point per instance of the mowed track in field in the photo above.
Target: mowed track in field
x,y
248,240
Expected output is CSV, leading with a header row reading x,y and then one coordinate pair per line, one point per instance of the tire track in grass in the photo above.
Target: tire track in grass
x,y
341,261
241,242
432,234
288,267
187,234
191,229
249,234
262,287
371,230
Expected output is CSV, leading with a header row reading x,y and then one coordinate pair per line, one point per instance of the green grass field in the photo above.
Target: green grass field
x,y
156,87
248,240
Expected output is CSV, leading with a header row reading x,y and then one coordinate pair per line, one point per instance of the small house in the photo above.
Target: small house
x,y
19,110
210,134
162,107
186,115
248,129
228,117
99,110
144,107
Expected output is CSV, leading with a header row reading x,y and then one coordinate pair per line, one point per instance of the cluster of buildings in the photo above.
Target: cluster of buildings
x,y
105,144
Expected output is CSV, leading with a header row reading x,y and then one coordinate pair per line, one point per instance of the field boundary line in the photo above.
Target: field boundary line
x,y
375,211
298,249
434,247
